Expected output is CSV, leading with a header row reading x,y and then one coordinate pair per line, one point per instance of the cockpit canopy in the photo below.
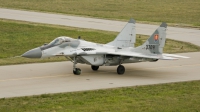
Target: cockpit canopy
x,y
60,40
57,41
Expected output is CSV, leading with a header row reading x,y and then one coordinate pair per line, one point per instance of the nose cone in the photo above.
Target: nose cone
x,y
33,53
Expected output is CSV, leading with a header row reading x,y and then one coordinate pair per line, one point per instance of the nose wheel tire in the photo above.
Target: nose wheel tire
x,y
120,69
95,68
77,71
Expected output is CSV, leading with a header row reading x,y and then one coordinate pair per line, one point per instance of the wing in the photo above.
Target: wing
x,y
134,54
121,52
159,56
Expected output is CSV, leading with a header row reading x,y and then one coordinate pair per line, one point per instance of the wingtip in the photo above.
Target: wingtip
x,y
131,20
163,25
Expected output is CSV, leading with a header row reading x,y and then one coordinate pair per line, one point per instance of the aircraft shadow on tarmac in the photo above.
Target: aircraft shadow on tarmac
x,y
132,72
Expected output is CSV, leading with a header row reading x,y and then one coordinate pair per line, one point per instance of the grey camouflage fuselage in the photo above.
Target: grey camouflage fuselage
x,y
121,50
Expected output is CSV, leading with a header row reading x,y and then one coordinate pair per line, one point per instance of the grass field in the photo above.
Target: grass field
x,y
18,37
174,97
180,12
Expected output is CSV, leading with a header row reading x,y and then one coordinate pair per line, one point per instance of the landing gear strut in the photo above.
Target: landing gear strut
x,y
120,69
76,71
95,68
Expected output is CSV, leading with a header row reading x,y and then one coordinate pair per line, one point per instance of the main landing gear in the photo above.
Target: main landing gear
x,y
95,68
76,71
120,69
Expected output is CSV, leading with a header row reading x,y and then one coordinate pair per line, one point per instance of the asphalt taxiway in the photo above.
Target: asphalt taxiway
x,y
43,78
183,34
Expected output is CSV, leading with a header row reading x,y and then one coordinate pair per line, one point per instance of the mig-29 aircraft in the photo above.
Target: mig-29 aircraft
x,y
120,51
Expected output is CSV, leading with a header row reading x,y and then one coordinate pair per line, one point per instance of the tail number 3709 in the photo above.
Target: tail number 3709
x,y
150,47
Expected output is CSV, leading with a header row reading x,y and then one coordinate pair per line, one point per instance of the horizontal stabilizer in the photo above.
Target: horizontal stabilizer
x,y
167,58
175,56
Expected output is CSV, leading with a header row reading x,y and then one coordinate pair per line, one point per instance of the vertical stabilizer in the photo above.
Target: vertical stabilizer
x,y
126,38
155,43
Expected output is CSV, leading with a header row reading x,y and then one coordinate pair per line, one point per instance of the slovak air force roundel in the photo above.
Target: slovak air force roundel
x,y
156,37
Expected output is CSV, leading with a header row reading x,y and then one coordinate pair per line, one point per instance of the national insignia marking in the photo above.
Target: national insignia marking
x,y
156,37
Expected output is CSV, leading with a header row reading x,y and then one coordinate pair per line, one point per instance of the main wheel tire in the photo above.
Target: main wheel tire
x,y
95,68
77,71
120,69
74,71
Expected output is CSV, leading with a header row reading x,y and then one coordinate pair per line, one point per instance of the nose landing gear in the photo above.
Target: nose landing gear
x,y
76,71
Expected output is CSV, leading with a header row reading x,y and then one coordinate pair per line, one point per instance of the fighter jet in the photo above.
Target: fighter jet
x,y
120,51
